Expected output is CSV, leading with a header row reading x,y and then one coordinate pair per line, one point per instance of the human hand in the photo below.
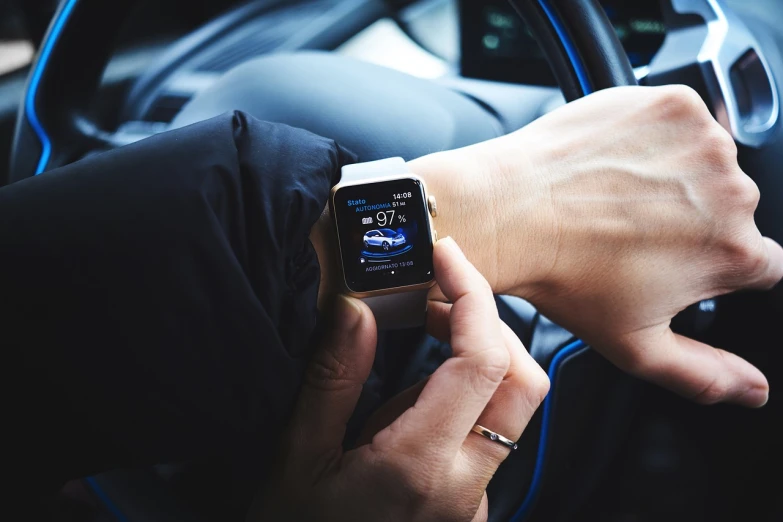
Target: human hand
x,y
612,214
426,465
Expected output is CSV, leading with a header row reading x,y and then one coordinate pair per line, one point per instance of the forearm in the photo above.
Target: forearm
x,y
628,204
165,290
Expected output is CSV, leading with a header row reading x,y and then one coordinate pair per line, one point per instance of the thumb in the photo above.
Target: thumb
x,y
698,371
333,382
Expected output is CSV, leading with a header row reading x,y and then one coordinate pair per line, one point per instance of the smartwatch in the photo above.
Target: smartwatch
x,y
383,217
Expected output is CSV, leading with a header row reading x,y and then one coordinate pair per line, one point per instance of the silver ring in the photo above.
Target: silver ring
x,y
494,437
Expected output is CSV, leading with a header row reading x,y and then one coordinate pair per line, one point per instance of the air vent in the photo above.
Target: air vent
x,y
165,108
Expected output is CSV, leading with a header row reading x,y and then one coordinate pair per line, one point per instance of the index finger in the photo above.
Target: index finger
x,y
695,370
458,391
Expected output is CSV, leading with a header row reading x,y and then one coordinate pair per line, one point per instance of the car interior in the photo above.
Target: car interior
x,y
407,78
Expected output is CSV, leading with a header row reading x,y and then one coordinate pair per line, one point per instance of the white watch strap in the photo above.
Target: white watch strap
x,y
374,169
404,309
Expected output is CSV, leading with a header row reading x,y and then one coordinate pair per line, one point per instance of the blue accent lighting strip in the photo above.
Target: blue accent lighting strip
x,y
104,498
570,48
538,472
35,80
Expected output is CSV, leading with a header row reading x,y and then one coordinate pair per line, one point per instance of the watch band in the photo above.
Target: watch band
x,y
398,311
374,169
404,309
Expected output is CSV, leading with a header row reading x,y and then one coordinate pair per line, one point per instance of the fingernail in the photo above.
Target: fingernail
x,y
753,398
347,312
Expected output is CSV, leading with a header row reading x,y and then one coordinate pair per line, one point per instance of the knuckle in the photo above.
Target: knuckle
x,y
539,384
747,257
710,394
714,390
484,286
490,366
719,149
633,361
478,285
719,144
469,283
737,191
742,192
756,262
532,384
682,100
746,191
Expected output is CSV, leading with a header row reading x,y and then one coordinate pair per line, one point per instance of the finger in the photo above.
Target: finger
x,y
438,315
697,371
508,412
333,382
387,413
773,271
522,390
482,515
526,383
436,294
459,390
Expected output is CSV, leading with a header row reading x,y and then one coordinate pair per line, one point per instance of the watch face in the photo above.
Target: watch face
x,y
384,234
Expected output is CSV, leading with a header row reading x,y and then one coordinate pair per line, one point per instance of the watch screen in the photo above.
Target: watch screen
x,y
384,235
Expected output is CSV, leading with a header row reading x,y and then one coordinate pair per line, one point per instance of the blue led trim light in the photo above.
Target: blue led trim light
x,y
104,498
570,48
35,80
538,472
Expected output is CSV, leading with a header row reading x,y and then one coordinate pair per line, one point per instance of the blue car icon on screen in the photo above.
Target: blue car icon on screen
x,y
384,238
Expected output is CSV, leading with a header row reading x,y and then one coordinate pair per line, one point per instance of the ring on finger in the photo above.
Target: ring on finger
x,y
494,437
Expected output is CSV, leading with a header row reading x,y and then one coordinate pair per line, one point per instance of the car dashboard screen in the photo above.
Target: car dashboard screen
x,y
384,234
497,45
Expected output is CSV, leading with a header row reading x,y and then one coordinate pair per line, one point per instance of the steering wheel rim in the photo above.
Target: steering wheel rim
x,y
52,129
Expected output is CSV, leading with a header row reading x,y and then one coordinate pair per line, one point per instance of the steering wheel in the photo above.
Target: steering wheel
x,y
374,111
55,127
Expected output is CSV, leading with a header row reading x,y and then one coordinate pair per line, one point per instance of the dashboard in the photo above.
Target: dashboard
x,y
480,48
496,44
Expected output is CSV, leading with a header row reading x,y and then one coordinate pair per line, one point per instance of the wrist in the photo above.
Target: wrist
x,y
498,213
